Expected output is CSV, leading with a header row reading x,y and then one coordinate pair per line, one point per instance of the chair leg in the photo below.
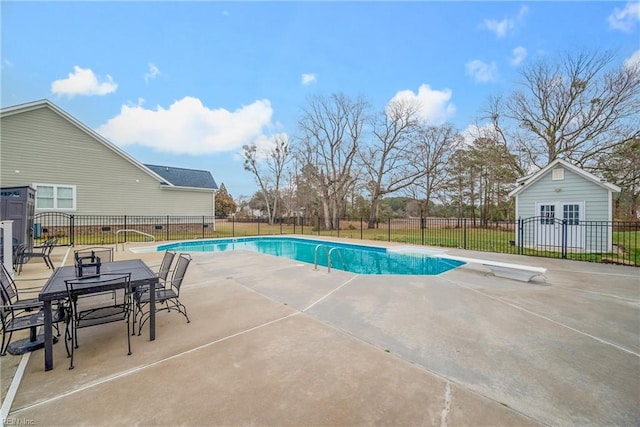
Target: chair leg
x,y
73,338
129,335
3,348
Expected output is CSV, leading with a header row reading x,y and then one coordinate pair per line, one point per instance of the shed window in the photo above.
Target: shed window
x,y
557,174
571,214
547,214
55,197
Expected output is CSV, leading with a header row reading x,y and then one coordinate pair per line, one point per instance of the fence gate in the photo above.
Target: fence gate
x,y
548,233
54,224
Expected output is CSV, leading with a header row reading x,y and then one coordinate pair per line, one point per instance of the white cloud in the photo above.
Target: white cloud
x,y
188,127
83,82
501,28
154,71
633,60
625,19
518,55
6,63
481,71
308,78
436,105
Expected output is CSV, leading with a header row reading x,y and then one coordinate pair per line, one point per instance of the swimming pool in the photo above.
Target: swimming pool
x,y
358,259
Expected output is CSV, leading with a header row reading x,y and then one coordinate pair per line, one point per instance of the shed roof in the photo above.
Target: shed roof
x,y
181,177
529,180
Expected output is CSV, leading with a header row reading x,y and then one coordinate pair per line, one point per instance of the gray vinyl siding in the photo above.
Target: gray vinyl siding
x,y
46,148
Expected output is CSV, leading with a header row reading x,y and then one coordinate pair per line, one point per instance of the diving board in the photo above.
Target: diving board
x,y
504,269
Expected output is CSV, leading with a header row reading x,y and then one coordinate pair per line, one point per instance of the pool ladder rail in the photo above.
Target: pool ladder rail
x,y
129,230
328,252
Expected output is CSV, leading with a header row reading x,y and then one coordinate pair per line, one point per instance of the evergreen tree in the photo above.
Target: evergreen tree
x,y
224,203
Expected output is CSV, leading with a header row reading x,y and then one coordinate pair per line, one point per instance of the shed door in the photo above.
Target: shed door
x,y
572,213
548,230
551,215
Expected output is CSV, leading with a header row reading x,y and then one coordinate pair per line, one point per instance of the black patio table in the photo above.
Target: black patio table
x,y
55,289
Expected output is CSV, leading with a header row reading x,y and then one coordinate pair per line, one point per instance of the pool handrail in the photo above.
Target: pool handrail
x,y
153,238
335,248
315,255
328,252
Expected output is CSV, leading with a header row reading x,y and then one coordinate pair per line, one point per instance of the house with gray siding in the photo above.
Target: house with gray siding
x,y
563,204
74,170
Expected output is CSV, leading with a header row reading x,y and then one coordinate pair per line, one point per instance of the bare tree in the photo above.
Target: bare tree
x,y
623,169
331,130
578,109
268,171
432,147
389,160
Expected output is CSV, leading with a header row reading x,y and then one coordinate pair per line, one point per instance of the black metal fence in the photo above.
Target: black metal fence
x,y
596,241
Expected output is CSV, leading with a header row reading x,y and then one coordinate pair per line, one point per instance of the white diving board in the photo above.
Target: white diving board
x,y
504,269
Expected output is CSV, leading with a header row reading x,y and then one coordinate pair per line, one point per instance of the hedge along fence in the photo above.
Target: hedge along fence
x,y
463,233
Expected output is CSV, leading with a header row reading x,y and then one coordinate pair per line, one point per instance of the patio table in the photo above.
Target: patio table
x,y
55,289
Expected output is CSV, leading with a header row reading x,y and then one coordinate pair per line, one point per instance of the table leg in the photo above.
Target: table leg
x,y
48,336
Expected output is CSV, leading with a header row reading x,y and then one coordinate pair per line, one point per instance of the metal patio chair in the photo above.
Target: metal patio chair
x,y
96,301
18,257
165,267
44,253
168,295
18,313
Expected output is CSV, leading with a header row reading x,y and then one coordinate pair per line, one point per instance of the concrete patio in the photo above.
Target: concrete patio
x,y
273,342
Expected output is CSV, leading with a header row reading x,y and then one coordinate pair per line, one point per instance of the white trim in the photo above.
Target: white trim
x,y
55,187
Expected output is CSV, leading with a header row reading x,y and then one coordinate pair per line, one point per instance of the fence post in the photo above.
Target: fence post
x,y
281,225
564,239
422,227
233,226
167,233
388,229
520,235
361,225
72,227
464,233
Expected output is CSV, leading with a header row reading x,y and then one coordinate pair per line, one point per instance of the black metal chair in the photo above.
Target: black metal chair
x,y
44,253
18,313
165,267
168,295
18,257
94,302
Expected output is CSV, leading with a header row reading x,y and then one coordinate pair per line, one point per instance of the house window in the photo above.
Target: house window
x,y
55,197
547,214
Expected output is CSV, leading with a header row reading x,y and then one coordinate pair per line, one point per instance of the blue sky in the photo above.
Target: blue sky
x,y
186,84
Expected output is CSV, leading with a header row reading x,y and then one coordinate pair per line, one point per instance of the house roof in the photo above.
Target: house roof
x,y
529,180
181,177
177,178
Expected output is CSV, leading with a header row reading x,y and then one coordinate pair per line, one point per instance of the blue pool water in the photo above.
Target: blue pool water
x,y
353,258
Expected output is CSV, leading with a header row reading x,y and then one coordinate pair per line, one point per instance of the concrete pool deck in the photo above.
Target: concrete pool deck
x,y
273,342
